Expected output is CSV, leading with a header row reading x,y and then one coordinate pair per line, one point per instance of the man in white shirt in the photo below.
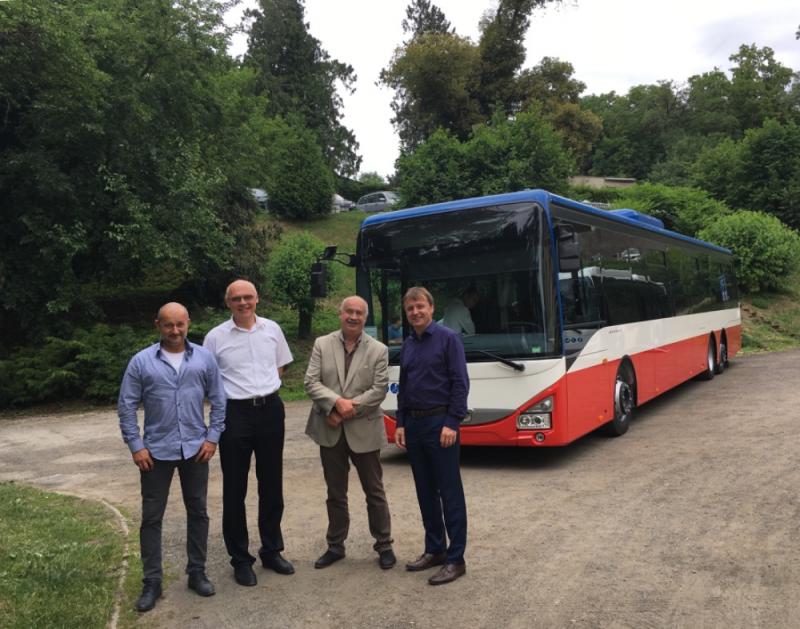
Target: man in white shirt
x,y
252,354
457,314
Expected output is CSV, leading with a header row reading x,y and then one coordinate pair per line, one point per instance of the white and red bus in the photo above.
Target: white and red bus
x,y
581,316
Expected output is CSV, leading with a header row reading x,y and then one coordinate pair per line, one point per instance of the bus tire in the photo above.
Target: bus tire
x,y
624,402
711,361
722,363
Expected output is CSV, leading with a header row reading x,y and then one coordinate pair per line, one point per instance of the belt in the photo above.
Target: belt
x,y
418,413
254,401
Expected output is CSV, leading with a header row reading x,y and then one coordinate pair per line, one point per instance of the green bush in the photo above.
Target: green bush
x,y
684,210
289,276
766,250
87,366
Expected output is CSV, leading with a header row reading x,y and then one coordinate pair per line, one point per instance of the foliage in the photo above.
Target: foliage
x,y
298,179
434,78
372,180
423,17
442,80
300,78
594,195
114,152
684,210
766,251
87,366
761,172
288,276
59,558
503,156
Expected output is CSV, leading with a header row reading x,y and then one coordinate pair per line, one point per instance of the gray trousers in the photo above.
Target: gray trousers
x,y
155,491
336,468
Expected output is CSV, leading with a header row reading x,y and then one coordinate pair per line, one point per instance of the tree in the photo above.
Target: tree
x,y
299,181
501,156
759,87
289,282
300,78
761,172
372,180
424,17
110,170
502,53
434,79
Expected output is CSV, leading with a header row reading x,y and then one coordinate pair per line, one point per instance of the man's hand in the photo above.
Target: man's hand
x,y
346,408
400,438
448,437
205,452
143,460
334,419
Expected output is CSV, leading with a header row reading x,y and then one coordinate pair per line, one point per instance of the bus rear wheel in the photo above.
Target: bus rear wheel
x,y
722,363
711,361
624,402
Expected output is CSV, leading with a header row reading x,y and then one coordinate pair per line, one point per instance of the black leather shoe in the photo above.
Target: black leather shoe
x,y
278,564
447,573
151,592
425,561
386,559
327,558
199,582
244,575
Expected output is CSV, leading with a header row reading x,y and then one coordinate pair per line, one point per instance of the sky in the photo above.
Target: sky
x,y
612,44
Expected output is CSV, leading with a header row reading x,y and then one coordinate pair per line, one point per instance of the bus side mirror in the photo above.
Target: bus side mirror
x,y
569,258
319,280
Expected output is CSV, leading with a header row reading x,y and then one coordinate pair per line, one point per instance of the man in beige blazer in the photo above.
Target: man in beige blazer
x,y
346,379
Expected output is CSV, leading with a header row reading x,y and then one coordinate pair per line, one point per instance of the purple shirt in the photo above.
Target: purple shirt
x,y
433,372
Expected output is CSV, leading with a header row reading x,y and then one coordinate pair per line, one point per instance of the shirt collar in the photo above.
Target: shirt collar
x,y
230,324
187,348
426,332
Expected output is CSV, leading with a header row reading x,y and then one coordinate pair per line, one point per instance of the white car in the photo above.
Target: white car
x,y
340,204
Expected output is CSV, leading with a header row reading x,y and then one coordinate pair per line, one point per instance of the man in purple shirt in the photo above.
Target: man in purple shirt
x,y
171,379
431,403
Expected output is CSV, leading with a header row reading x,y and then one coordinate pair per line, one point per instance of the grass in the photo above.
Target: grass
x,y
771,321
59,560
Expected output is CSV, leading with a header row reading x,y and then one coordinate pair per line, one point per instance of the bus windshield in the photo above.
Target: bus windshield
x,y
489,270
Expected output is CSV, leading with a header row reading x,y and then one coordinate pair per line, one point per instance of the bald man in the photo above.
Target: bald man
x,y
171,379
252,354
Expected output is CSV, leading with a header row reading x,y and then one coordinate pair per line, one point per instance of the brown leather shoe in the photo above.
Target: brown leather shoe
x,y
425,561
447,573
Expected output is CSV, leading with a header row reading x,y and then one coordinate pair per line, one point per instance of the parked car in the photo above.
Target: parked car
x,y
377,201
340,204
261,197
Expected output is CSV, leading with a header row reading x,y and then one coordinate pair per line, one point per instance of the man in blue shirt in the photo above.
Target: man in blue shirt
x,y
431,403
171,379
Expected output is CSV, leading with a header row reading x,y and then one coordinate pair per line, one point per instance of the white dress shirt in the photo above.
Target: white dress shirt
x,y
249,359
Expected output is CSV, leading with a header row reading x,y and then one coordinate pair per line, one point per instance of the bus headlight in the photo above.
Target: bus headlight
x,y
537,417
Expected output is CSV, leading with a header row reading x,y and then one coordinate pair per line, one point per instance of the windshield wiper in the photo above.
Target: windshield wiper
x,y
498,358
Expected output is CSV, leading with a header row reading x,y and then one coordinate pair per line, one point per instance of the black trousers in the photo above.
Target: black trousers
x,y
440,493
155,492
252,430
336,468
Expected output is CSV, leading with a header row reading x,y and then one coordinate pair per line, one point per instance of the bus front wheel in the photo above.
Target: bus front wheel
x,y
624,402
722,363
711,361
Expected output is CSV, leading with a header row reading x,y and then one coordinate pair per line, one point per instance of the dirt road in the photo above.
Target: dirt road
x,y
690,520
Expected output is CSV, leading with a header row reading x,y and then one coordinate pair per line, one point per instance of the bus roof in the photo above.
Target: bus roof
x,y
544,198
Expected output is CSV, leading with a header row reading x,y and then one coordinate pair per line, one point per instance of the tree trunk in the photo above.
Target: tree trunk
x,y
304,324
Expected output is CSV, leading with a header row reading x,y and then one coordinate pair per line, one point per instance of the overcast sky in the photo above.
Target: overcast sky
x,y
612,44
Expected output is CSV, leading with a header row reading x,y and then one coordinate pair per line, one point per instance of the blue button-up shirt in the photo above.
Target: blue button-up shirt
x,y
433,372
174,425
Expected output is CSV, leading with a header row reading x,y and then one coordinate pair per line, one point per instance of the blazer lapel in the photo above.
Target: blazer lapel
x,y
355,364
338,354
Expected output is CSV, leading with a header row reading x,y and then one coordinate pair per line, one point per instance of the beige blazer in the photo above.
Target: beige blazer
x,y
366,383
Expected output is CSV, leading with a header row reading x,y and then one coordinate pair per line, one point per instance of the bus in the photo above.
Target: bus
x,y
579,315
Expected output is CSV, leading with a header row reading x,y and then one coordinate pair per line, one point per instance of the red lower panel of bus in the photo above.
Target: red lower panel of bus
x,y
584,399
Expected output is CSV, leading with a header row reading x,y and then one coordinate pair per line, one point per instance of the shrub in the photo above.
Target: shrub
x,y
766,250
684,210
289,276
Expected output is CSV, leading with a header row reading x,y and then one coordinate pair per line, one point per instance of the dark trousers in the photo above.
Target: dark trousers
x,y
336,468
155,492
252,430
439,490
